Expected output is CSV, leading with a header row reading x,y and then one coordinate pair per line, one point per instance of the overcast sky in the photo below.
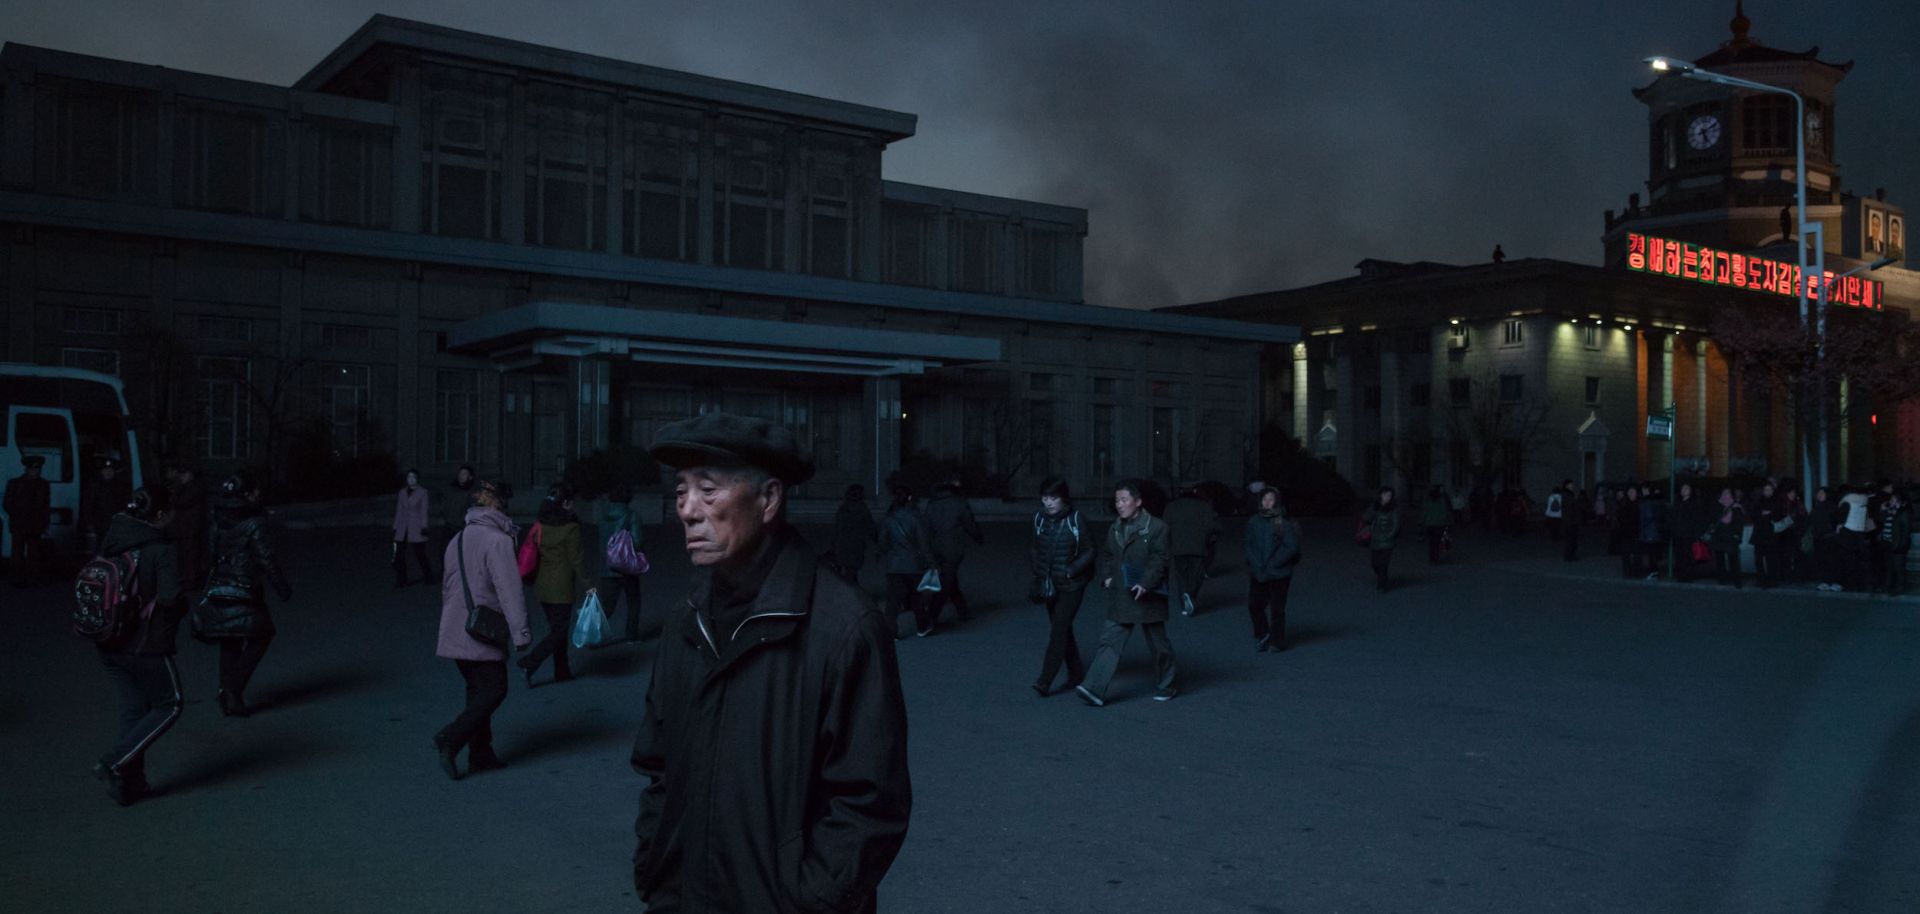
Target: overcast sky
x,y
1221,147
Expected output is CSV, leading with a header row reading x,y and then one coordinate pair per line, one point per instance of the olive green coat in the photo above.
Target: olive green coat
x,y
1146,552
562,576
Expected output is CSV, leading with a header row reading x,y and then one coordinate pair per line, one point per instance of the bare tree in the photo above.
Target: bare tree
x,y
1502,430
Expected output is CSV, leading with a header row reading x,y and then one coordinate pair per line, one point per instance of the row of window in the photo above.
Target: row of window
x,y
1459,393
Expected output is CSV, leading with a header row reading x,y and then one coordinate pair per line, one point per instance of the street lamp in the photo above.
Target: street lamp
x,y
1689,71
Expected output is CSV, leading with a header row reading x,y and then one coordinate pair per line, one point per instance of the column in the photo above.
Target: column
x,y
1702,414
591,378
413,425
615,225
513,172
882,398
1394,444
1346,410
704,236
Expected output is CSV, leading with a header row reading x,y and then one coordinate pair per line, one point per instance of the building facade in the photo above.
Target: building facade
x,y
452,248
1525,372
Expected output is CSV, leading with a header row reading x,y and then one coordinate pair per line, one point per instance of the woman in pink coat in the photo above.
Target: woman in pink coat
x,y
410,531
493,577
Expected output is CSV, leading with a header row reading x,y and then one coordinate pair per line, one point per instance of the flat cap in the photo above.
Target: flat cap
x,y
33,460
726,440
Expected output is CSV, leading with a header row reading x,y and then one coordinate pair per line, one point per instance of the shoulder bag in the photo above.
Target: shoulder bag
x,y
485,623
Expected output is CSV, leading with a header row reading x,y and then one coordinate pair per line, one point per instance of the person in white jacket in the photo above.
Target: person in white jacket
x,y
1854,540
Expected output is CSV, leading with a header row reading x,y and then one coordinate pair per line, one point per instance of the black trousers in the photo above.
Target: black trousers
x,y
1380,558
486,689
1436,539
28,552
903,597
559,627
1726,564
419,551
1572,551
1189,573
1267,604
1653,555
239,657
1061,610
949,592
615,586
1896,573
150,702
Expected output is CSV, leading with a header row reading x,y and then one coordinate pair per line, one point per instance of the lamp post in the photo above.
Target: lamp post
x,y
1689,71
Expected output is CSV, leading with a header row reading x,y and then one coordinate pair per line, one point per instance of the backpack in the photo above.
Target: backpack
x,y
1073,525
105,595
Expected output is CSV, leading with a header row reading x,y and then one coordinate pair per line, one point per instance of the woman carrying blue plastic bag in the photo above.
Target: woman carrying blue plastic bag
x,y
590,624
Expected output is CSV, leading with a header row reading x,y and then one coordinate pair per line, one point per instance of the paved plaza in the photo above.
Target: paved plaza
x,y
1506,733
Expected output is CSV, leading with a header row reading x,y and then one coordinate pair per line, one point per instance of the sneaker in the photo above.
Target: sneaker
x,y
1262,645
122,789
445,755
1186,604
1087,696
1653,576
1165,694
924,632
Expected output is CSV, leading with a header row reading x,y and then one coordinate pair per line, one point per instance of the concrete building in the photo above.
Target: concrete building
x,y
1525,372
455,248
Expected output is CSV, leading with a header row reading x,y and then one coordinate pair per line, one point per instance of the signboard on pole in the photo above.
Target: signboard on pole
x,y
1660,426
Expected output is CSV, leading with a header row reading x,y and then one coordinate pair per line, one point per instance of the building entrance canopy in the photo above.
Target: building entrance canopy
x,y
521,336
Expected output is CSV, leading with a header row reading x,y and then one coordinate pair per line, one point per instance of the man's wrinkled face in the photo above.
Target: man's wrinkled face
x,y
1126,504
725,512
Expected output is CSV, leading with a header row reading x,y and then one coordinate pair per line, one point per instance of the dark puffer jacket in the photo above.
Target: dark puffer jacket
x,y
157,577
1061,549
243,561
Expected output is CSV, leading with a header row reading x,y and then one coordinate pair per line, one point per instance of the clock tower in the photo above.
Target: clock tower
x,y
1720,160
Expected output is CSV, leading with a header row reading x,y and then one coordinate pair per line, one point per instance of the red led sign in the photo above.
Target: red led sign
x,y
1686,260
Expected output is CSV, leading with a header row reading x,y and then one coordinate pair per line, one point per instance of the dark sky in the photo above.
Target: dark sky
x,y
1221,147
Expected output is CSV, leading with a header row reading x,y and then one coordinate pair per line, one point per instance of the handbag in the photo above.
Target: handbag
x,y
529,558
486,624
622,557
590,624
1699,552
929,582
1364,535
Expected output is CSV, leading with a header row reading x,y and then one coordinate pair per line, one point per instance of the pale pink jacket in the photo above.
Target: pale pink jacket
x,y
494,574
410,515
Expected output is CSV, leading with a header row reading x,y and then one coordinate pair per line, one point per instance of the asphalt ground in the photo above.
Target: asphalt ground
x,y
1505,732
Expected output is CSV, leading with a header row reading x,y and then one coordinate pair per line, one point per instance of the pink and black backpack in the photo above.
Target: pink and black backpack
x,y
106,596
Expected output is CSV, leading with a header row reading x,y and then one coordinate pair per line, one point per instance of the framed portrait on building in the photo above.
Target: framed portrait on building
x,y
1876,236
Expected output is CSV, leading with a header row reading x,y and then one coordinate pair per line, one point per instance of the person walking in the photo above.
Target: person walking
x,y
558,582
29,505
455,501
233,613
479,568
1272,545
774,735
410,531
951,522
1061,560
1724,533
139,659
1193,528
1896,535
1135,557
1689,528
1382,522
1433,519
906,555
854,532
618,515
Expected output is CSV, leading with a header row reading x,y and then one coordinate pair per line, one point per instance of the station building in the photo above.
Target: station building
x,y
457,248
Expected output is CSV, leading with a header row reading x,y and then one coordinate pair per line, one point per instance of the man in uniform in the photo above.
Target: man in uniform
x,y
100,499
774,737
29,504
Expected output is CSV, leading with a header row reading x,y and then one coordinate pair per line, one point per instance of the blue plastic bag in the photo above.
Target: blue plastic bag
x,y
590,623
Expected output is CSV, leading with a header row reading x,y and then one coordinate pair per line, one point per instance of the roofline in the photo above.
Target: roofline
x,y
409,33
250,231
776,336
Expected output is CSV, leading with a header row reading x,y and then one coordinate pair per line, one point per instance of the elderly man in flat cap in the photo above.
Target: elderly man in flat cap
x,y
775,732
29,507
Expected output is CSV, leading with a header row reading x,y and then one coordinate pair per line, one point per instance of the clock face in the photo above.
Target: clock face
x,y
1703,132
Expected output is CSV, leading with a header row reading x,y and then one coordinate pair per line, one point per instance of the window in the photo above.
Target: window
x,y
829,220
343,336
1590,336
105,361
1169,390
1106,441
1457,336
1169,424
906,245
463,152
661,210
1042,252
1041,383
345,171
1593,391
1766,123
346,392
1372,396
1422,394
971,262
1460,391
454,404
224,329
566,168
749,200
228,161
1106,387
94,140
223,408
90,320
1511,388
1512,333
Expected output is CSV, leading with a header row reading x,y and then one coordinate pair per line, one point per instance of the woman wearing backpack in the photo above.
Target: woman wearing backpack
x,y
618,516
1062,564
480,563
558,581
140,657
233,613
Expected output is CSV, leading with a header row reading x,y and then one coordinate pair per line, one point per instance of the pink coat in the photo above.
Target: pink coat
x,y
410,515
493,572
